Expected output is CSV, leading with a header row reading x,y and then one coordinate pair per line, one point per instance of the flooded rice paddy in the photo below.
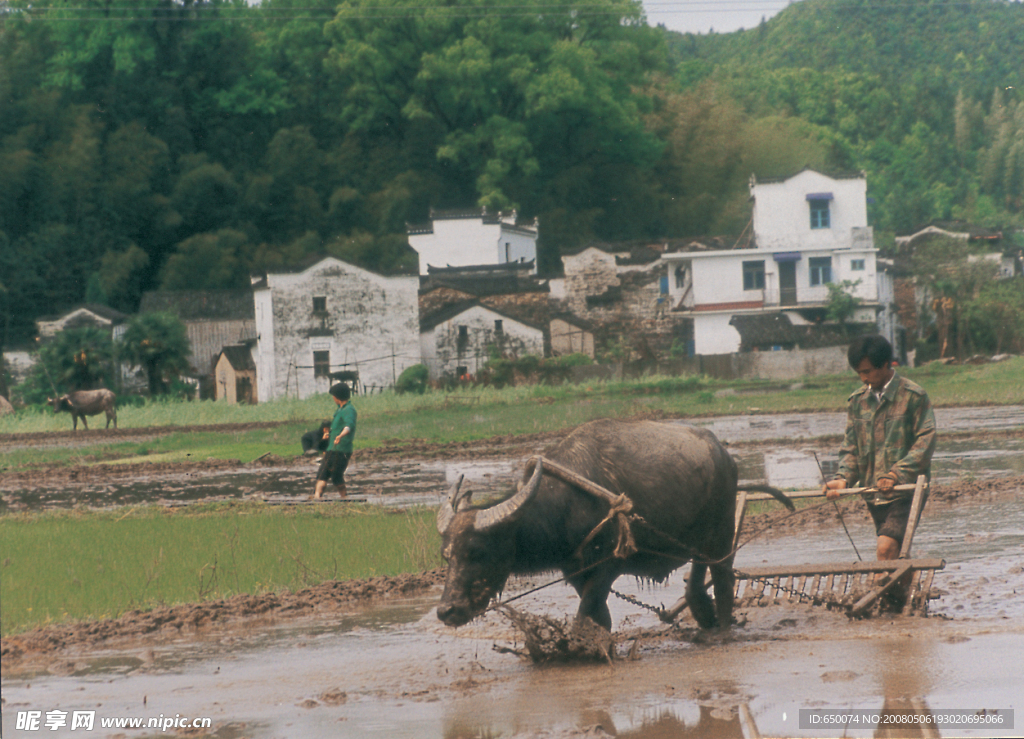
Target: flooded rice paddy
x,y
396,671
794,464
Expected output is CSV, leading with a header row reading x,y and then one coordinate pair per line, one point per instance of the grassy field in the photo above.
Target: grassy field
x,y
81,565
479,413
59,566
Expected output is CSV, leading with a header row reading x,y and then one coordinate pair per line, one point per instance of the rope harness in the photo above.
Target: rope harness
x,y
620,510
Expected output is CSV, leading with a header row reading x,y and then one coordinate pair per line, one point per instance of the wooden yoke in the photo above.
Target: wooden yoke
x,y
620,505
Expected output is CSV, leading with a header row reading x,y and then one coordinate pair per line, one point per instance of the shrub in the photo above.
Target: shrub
x,y
413,380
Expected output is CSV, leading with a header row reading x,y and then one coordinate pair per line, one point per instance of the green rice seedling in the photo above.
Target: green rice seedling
x,y
61,566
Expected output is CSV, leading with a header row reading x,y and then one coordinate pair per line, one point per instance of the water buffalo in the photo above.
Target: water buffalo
x,y
681,481
82,403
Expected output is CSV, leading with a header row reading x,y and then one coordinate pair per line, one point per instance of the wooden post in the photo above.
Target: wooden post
x,y
741,511
914,517
864,603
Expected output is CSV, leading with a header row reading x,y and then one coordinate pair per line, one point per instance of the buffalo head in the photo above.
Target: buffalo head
x,y
63,403
479,545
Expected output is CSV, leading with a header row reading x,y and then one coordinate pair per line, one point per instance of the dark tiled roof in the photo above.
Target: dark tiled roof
x,y
974,232
832,175
460,214
103,311
453,309
497,279
259,279
239,356
201,305
766,330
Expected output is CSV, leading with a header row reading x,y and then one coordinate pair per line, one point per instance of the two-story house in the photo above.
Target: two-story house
x,y
809,230
328,317
465,238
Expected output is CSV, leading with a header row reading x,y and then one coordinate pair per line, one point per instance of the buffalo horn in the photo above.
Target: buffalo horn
x,y
446,512
507,509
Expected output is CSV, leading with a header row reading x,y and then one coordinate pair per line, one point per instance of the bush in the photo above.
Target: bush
x,y
413,380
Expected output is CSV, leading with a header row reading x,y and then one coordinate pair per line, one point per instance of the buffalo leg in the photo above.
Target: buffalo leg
x,y
84,424
593,594
725,583
701,607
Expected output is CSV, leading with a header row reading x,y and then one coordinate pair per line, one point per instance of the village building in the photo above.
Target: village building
x,y
810,230
234,373
459,339
911,299
88,315
570,334
213,319
621,292
326,320
473,237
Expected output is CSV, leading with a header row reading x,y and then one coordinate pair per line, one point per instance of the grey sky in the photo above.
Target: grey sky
x,y
700,16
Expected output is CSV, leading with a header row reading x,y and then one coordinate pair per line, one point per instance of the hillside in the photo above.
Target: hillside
x,y
176,145
922,95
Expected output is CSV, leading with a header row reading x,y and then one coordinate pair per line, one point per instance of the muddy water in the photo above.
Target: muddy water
x,y
400,483
405,675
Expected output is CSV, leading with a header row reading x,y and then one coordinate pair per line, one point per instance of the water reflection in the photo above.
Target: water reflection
x,y
903,688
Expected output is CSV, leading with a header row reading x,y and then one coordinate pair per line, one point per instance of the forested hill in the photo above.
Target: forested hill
x,y
922,95
156,143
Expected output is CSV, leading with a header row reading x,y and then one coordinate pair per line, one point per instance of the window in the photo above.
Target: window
x,y
821,270
499,327
819,214
680,276
753,275
320,305
321,364
463,340
856,265
508,251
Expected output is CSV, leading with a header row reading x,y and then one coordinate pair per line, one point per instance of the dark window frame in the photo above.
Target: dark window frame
x,y
753,274
322,363
820,269
821,215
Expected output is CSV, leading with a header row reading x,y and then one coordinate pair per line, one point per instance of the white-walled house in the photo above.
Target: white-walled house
x,y
465,238
809,230
328,317
456,340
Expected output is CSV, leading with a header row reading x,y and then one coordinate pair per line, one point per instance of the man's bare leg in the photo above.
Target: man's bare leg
x,y
342,490
318,490
889,549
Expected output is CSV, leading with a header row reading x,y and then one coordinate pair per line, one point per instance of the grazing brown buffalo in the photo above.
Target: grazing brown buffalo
x,y
681,481
82,403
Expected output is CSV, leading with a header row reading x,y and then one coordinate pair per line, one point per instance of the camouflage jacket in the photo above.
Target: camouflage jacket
x,y
896,435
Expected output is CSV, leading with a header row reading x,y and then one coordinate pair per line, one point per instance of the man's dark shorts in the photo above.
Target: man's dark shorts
x,y
891,519
332,467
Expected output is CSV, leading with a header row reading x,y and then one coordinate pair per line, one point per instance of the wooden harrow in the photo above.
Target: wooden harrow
x,y
854,586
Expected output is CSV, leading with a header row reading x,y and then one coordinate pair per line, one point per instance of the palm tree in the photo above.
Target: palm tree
x,y
158,343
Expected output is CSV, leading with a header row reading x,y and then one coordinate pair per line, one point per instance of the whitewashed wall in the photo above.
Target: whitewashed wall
x,y
466,242
782,213
371,325
442,353
712,334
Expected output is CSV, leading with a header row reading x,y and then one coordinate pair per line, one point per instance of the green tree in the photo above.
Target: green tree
x,y
842,303
158,343
79,358
208,261
995,318
954,278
